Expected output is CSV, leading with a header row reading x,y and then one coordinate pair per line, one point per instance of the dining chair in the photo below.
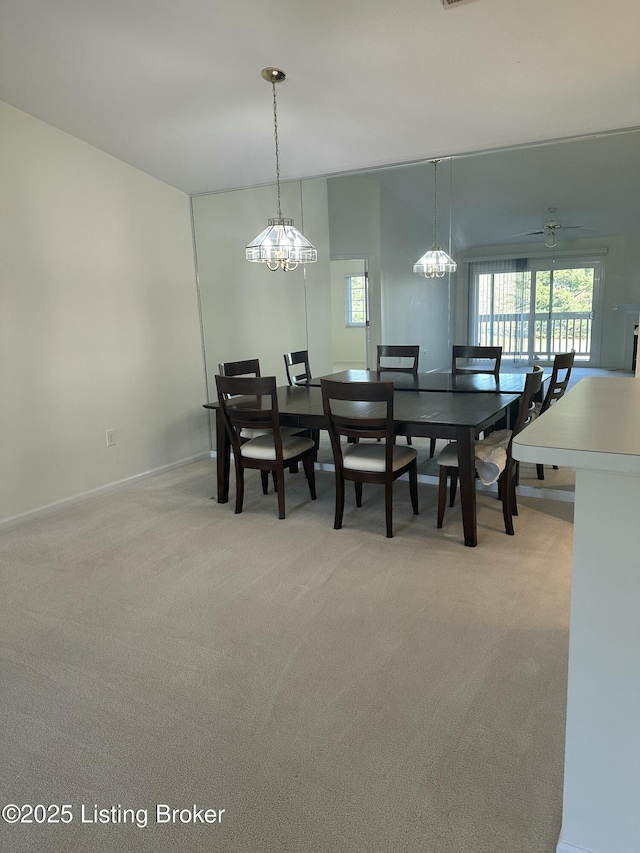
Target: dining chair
x,y
272,448
486,360
560,375
299,360
251,367
364,410
478,353
410,353
494,460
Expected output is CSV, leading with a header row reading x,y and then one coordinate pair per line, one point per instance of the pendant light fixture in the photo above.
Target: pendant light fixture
x,y
280,246
436,262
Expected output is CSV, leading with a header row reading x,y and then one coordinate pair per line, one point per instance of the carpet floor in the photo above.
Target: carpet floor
x,y
330,690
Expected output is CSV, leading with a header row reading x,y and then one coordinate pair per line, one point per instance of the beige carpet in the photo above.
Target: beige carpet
x,y
332,690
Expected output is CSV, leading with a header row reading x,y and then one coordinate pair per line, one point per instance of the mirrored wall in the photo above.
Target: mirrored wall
x,y
381,221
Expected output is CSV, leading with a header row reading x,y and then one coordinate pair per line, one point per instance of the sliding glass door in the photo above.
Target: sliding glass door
x,y
537,312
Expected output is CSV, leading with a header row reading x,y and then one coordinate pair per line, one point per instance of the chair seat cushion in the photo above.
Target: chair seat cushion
x,y
371,457
262,447
254,433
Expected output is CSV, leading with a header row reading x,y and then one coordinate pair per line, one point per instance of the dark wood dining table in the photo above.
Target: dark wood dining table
x,y
440,414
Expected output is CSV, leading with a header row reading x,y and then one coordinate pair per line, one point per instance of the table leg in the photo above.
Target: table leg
x,y
467,473
223,457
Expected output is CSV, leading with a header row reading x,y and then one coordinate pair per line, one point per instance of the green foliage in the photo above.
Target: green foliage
x,y
572,291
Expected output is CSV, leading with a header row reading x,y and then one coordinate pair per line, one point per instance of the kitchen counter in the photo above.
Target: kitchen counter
x,y
595,428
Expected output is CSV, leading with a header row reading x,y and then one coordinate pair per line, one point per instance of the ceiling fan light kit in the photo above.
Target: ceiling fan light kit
x,y
549,230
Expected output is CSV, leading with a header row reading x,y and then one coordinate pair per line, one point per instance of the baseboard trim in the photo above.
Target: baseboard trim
x,y
565,847
100,490
545,494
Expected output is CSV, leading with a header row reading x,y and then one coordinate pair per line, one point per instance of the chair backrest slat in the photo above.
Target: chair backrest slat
x,y
358,410
248,367
398,351
294,359
562,366
476,352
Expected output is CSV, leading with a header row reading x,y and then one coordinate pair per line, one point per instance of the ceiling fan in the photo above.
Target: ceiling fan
x,y
549,229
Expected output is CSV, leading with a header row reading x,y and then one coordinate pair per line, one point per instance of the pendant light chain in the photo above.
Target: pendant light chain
x,y
275,134
435,202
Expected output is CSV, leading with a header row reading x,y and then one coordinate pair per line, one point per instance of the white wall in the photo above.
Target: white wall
x,y
247,310
349,342
415,310
369,218
354,232
99,323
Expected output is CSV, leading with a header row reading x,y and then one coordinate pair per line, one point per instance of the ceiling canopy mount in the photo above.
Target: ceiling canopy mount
x,y
273,75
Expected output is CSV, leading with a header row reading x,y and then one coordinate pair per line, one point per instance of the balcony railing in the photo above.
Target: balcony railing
x,y
517,334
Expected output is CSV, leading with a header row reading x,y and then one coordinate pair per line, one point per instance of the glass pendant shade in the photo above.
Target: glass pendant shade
x,y
281,246
435,264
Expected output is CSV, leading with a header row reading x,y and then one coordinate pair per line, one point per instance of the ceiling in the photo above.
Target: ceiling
x,y
499,196
174,88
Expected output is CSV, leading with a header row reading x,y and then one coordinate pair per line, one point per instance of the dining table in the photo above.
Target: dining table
x,y
439,414
436,380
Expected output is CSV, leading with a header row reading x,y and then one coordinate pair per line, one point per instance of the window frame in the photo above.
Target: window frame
x,y
349,321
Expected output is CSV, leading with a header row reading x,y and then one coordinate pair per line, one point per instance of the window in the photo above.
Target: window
x,y
355,300
535,308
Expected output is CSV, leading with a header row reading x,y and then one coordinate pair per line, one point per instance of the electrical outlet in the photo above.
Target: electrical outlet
x,y
112,438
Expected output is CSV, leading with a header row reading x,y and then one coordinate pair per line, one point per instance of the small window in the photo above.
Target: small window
x,y
355,300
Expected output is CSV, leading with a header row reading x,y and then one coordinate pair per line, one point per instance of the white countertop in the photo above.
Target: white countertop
x,y
596,425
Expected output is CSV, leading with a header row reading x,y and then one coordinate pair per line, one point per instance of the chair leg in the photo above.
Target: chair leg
x,y
388,508
339,501
264,476
408,439
293,468
239,486
432,447
310,473
506,490
511,489
315,435
540,471
454,485
413,486
279,478
442,494
358,486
